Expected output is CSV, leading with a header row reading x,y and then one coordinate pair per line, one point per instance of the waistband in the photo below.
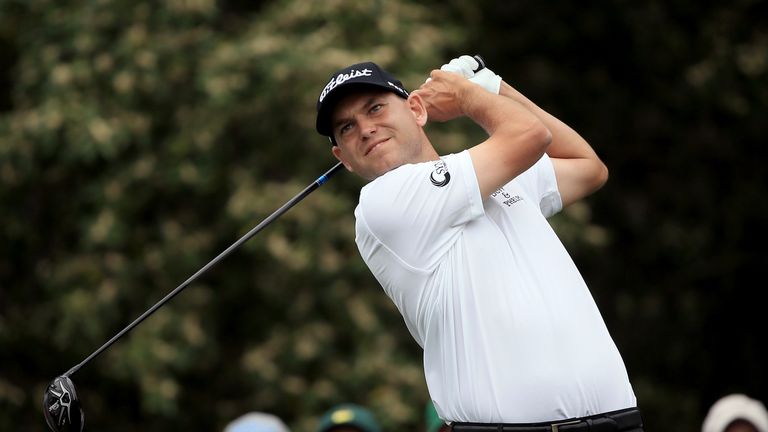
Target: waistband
x,y
628,419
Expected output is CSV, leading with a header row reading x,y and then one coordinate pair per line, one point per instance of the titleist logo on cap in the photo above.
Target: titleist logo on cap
x,y
342,78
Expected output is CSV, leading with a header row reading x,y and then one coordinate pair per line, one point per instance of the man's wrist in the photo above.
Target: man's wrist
x,y
468,98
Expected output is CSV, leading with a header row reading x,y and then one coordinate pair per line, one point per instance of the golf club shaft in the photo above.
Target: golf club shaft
x,y
303,194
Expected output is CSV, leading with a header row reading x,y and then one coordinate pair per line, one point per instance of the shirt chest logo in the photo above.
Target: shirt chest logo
x,y
505,197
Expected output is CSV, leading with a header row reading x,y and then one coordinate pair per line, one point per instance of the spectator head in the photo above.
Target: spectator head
x,y
256,422
736,413
348,418
432,421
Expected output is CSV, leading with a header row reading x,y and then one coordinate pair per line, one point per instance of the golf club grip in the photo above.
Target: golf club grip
x,y
480,62
277,213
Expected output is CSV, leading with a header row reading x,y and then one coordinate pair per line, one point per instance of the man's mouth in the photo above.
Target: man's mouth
x,y
374,145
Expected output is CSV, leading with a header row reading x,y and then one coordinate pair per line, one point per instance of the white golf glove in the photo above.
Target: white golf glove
x,y
466,65
488,80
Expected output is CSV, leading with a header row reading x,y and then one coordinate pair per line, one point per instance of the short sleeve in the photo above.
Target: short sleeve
x,y
539,181
417,211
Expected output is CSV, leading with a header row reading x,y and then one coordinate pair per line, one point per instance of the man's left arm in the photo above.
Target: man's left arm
x,y
578,169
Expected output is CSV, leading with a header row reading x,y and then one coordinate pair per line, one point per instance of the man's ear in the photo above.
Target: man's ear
x,y
336,150
417,107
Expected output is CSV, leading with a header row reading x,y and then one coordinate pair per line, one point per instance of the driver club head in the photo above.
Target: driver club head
x,y
61,406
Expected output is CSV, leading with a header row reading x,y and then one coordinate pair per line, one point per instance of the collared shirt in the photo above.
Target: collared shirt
x,y
509,329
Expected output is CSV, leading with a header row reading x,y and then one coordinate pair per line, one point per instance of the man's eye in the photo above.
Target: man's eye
x,y
376,108
344,128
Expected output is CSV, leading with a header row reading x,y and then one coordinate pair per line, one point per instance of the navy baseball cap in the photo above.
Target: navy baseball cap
x,y
343,81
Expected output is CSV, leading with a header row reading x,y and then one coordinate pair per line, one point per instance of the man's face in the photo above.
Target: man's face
x,y
377,131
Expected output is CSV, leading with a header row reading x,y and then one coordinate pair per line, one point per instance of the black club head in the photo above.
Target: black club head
x,y
61,406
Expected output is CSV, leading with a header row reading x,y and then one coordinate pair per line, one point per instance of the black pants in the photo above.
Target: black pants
x,y
626,420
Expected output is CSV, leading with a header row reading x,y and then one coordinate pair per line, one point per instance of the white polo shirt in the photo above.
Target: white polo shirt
x,y
509,329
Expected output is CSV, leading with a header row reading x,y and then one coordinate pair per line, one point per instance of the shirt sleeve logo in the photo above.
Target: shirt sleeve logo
x,y
440,175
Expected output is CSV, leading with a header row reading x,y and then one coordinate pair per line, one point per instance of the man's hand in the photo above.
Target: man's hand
x,y
466,67
442,95
442,92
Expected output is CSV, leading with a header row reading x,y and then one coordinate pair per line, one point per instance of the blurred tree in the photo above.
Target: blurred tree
x,y
138,140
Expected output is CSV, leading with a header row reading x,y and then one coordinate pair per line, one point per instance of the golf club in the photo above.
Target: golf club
x,y
61,405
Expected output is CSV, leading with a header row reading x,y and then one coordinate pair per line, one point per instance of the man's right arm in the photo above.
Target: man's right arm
x,y
578,169
517,137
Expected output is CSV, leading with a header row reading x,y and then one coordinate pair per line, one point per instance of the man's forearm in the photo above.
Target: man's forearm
x,y
578,169
518,138
491,113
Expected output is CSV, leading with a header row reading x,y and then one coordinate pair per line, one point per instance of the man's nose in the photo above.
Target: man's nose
x,y
367,127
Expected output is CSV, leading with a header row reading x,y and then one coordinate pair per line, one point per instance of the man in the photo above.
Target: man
x,y
460,243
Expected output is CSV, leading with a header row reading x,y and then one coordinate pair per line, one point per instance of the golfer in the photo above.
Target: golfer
x,y
511,335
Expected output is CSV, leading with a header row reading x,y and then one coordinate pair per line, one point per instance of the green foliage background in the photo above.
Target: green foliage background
x,y
139,139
